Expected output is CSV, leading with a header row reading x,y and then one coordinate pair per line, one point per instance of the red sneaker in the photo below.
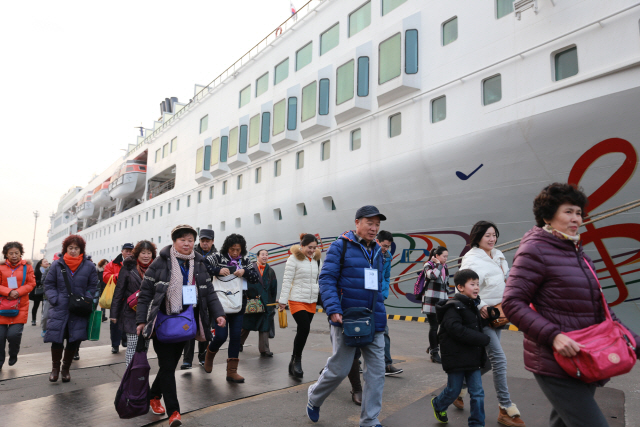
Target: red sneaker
x,y
175,420
156,406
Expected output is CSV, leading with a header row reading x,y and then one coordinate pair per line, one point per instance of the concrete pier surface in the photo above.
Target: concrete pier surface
x,y
269,397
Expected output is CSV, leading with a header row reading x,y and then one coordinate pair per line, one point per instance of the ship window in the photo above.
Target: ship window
x,y
204,123
439,109
344,82
329,39
360,19
450,31
224,187
238,222
211,192
215,151
222,225
302,209
199,159
240,182
292,113
125,224
254,130
277,214
258,175
325,151
165,150
153,216
138,219
178,204
277,168
169,208
395,125
566,63
281,72
256,219
328,203
411,51
243,139
266,122
389,57
158,155
210,227
503,8
199,196
492,90
389,5
304,56
279,115
224,148
262,84
299,159
323,106
363,76
174,144
146,218
131,221
159,239
207,157
245,96
309,101
233,142
356,141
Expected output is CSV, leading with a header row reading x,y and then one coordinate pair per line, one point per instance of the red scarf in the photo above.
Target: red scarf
x,y
142,268
261,268
73,262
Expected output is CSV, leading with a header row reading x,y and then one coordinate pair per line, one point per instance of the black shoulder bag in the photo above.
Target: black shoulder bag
x,y
78,304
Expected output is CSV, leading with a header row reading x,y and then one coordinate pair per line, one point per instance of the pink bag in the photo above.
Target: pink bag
x,y
609,349
133,301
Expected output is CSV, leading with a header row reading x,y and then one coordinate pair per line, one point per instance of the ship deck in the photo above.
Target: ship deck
x,y
269,396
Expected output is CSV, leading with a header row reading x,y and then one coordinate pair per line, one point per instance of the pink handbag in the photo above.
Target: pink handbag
x,y
609,349
132,301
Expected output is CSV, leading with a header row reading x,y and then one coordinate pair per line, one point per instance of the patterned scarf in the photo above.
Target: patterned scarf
x,y
174,292
562,236
142,268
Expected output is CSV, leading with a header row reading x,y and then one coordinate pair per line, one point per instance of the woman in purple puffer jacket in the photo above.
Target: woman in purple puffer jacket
x,y
550,270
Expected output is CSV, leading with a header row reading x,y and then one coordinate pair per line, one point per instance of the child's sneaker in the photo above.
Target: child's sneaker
x,y
440,415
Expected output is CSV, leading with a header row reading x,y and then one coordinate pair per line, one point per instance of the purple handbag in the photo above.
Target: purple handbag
x,y
176,327
132,398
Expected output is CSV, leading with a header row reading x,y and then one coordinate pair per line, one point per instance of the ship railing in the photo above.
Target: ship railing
x,y
162,188
274,35
593,218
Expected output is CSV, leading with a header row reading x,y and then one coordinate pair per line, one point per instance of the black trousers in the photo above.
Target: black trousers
x,y
164,386
303,320
433,330
34,309
189,349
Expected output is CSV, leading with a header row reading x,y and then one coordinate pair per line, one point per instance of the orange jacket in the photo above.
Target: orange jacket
x,y
23,291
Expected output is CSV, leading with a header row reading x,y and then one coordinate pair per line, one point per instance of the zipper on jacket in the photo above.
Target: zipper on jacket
x,y
593,303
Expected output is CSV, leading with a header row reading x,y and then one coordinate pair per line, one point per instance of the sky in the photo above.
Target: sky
x,y
78,76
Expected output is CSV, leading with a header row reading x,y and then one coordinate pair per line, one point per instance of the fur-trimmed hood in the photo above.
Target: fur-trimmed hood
x,y
297,252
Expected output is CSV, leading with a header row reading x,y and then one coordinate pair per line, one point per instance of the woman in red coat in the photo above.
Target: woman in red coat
x,y
552,272
16,281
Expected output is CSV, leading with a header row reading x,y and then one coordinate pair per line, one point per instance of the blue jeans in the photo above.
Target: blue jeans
x,y
499,365
452,390
232,330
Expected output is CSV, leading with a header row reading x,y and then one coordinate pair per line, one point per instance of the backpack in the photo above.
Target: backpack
x,y
421,285
132,398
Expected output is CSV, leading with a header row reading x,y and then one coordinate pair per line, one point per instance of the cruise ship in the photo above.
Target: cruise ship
x,y
440,113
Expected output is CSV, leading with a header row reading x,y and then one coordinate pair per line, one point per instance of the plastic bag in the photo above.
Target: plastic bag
x,y
107,295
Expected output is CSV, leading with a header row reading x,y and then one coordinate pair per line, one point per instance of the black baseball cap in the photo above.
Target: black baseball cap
x,y
368,212
207,233
127,246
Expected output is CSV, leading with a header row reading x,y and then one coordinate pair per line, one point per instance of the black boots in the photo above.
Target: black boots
x,y
295,367
56,357
435,355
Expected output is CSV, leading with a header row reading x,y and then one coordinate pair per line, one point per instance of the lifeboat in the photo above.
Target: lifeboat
x,y
129,181
100,195
85,208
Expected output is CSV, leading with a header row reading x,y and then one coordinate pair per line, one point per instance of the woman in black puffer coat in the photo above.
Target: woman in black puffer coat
x,y
129,282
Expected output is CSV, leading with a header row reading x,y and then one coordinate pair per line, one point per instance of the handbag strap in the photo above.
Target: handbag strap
x,y
63,270
24,274
604,302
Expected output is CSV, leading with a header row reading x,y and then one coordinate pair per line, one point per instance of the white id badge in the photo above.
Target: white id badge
x,y
189,295
245,285
371,279
13,282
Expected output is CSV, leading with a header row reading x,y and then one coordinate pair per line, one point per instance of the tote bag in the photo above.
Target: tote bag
x,y
107,295
229,291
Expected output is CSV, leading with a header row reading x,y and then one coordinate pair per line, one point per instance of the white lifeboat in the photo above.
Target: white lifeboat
x,y
101,194
85,208
130,181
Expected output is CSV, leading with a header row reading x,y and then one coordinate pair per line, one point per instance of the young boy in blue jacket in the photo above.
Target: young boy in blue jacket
x,y
462,346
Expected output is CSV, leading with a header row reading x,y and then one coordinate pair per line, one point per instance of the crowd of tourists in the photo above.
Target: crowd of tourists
x,y
551,293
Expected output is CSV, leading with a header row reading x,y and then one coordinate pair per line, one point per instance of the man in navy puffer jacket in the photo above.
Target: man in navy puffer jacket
x,y
342,286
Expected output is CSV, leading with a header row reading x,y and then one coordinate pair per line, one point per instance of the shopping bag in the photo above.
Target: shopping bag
x,y
282,319
107,294
93,326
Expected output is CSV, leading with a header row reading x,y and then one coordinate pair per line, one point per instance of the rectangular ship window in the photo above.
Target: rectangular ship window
x,y
304,56
224,148
566,63
503,8
390,58
242,141
258,175
224,187
411,51
492,90
158,155
165,150
329,39
211,192
292,113
254,130
299,159
239,182
439,109
344,82
174,144
233,142
363,76
266,123
199,159
323,107
360,19
204,123
356,139
281,72
325,151
262,84
389,5
279,116
277,168
450,31
395,125
309,101
215,151
245,96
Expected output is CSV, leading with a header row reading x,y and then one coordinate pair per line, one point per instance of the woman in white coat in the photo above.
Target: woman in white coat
x,y
300,290
492,269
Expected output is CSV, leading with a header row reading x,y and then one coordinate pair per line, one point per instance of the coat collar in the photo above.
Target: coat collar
x,y
297,252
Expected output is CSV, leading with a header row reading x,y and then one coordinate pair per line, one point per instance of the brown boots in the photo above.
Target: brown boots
x,y
56,356
66,364
356,384
208,360
232,371
510,416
